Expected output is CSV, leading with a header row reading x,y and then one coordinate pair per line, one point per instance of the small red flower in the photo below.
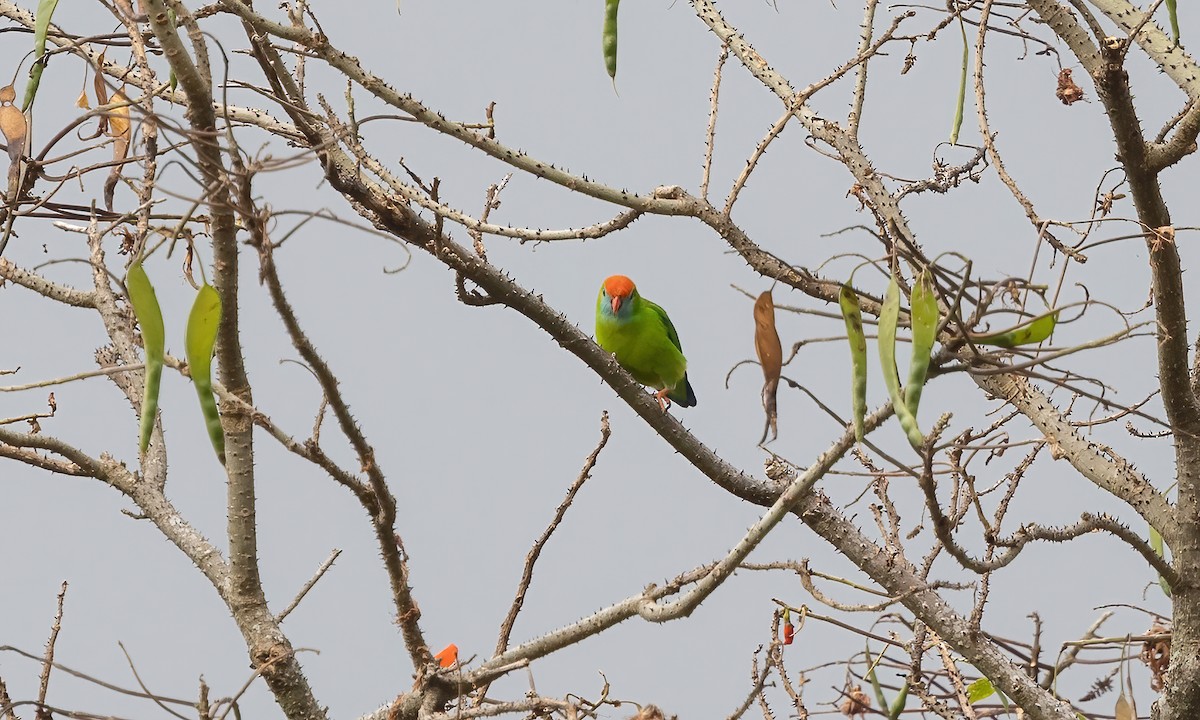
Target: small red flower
x,y
448,656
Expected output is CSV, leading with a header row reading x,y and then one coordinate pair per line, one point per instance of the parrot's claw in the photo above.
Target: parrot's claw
x,y
664,402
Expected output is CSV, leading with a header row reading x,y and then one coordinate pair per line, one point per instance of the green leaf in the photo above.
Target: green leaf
x,y
1035,331
41,26
202,326
852,314
980,689
150,320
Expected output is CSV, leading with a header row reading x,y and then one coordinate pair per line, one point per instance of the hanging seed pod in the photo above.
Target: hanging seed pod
x,y
150,320
1035,331
608,38
924,320
852,314
889,317
201,337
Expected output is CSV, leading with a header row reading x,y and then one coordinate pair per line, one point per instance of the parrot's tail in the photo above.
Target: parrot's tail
x,y
683,393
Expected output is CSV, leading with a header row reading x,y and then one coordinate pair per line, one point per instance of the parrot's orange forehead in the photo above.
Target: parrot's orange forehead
x,y
618,286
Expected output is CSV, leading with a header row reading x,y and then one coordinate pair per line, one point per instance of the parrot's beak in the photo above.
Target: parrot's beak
x,y
616,304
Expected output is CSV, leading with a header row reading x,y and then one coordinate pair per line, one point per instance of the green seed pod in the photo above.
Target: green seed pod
x,y
848,300
608,37
202,326
41,28
150,320
1156,542
889,317
899,703
924,319
1035,331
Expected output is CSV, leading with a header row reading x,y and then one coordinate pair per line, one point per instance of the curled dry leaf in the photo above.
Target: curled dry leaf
x,y
1157,656
14,127
101,88
857,704
1068,91
770,355
648,712
1161,237
119,130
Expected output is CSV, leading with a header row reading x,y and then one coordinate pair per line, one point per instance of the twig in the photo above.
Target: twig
x,y
710,134
535,552
72,378
989,142
262,669
381,504
6,707
94,680
860,82
751,163
759,682
145,689
309,585
952,672
48,659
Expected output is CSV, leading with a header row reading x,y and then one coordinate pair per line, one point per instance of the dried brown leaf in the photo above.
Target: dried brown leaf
x,y
857,704
766,338
770,355
1124,710
1157,656
118,118
1068,92
83,101
119,129
101,88
649,712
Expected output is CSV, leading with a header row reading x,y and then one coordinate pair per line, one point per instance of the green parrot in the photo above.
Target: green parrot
x,y
642,337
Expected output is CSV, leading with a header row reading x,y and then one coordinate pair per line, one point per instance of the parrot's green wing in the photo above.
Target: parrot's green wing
x,y
666,321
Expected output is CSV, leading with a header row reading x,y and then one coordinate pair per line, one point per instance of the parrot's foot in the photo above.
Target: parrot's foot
x,y
664,402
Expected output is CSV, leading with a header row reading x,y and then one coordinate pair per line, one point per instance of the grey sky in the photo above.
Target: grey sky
x,y
481,422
